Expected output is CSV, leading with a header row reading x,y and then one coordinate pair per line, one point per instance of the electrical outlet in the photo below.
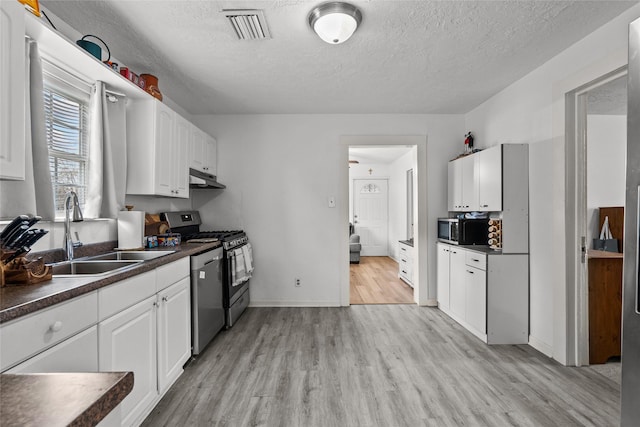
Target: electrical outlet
x,y
298,283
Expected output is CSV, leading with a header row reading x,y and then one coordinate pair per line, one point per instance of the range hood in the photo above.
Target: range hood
x,y
199,179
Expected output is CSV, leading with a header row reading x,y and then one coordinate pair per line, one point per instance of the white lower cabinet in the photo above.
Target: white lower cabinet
x,y
486,294
405,266
150,337
476,299
128,343
174,332
442,276
457,287
76,354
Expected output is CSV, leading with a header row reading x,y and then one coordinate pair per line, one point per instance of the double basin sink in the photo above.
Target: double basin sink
x,y
105,264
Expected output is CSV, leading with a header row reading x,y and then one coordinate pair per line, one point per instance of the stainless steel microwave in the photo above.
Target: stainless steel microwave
x,y
463,231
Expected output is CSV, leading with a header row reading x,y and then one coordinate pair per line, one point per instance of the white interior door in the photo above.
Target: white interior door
x,y
371,215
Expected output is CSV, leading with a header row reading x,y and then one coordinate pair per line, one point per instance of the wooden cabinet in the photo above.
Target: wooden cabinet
x,y
174,332
157,150
127,342
488,294
605,305
442,276
203,152
12,90
405,265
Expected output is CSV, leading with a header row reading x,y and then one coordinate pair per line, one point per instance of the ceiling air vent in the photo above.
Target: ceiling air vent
x,y
249,24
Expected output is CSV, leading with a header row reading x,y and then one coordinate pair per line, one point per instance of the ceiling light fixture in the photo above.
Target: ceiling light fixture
x,y
335,22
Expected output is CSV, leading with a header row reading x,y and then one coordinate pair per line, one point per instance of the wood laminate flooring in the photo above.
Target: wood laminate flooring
x,y
375,281
377,365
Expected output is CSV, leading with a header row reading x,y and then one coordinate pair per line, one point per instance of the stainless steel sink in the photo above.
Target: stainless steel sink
x,y
131,255
91,268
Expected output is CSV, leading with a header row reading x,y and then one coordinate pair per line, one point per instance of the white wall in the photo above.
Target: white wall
x,y
532,110
398,200
279,171
606,159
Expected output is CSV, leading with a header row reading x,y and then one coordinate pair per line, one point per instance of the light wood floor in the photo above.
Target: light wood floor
x,y
375,281
377,365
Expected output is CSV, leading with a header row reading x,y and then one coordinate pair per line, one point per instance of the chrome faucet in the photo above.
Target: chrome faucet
x,y
71,201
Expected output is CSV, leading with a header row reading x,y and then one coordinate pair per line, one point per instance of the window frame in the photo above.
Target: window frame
x,y
63,83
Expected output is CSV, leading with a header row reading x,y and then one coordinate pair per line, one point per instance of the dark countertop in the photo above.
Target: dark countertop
x,y
61,399
407,242
20,300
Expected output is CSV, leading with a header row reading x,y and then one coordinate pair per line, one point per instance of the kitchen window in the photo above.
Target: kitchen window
x,y
66,105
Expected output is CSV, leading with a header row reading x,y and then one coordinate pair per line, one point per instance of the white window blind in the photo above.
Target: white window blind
x,y
67,130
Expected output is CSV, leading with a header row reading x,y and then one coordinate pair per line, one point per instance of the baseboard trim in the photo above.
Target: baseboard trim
x,y
541,346
431,303
267,303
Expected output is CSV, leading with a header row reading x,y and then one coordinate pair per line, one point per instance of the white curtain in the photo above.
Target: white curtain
x,y
107,154
34,195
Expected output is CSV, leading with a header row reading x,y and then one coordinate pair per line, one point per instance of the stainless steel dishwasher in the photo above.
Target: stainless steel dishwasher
x,y
207,310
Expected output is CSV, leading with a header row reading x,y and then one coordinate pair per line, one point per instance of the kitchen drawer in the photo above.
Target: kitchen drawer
x,y
172,273
125,293
476,259
34,333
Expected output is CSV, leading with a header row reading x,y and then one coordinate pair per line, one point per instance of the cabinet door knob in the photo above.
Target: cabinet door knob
x,y
165,299
56,326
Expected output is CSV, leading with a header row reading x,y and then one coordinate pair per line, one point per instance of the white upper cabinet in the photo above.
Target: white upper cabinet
x,y
158,142
489,165
462,186
203,151
12,90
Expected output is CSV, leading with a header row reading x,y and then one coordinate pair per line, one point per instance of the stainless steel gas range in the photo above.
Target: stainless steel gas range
x,y
236,265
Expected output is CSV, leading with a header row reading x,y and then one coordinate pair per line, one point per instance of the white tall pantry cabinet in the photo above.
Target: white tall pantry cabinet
x,y
487,291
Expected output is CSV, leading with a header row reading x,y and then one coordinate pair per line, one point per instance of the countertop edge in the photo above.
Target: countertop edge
x,y
89,284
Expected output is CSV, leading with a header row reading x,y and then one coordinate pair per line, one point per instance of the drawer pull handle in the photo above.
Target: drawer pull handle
x,y
475,260
57,325
470,272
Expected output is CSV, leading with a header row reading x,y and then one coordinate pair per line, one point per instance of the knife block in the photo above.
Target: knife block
x,y
19,271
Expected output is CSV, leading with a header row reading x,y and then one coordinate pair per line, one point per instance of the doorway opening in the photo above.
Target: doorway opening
x,y
381,212
599,131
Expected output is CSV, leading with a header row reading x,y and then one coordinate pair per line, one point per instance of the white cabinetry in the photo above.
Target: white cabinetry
x,y
174,332
146,328
489,167
157,150
442,276
457,277
203,152
12,90
487,294
462,185
405,266
76,354
32,334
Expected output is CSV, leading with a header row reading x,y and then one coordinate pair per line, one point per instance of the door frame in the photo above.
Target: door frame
x,y
576,226
371,178
421,219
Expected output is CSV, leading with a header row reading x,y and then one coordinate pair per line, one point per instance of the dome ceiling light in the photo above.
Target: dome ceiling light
x,y
335,22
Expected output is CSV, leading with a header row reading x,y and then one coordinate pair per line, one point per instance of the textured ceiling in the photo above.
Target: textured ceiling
x,y
407,56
